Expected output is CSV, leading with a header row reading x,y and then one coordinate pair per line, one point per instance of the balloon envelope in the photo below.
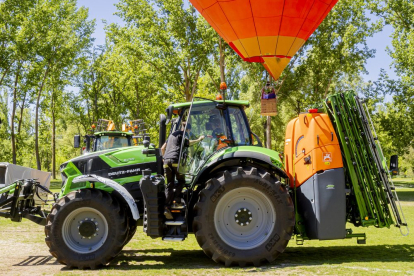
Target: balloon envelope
x,y
265,31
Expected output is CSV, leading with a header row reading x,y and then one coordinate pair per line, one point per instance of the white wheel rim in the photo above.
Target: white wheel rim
x,y
237,233
72,237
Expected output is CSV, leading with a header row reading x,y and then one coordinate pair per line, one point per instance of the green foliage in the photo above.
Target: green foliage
x,y
164,53
41,42
396,118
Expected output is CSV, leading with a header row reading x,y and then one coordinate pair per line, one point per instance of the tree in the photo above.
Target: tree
x,y
170,38
396,118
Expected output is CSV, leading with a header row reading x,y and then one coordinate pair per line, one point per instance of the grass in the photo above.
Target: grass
x,y
404,182
386,252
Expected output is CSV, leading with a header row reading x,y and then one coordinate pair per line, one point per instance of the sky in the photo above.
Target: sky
x,y
105,9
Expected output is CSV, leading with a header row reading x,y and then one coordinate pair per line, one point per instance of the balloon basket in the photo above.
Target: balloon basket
x,y
268,107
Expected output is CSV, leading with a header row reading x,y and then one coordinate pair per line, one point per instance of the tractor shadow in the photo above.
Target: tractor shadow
x,y
405,195
302,256
169,258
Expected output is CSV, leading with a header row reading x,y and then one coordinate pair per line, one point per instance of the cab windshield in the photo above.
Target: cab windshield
x,y
111,142
208,121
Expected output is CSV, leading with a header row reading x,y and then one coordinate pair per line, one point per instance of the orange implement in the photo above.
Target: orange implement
x,y
265,31
311,146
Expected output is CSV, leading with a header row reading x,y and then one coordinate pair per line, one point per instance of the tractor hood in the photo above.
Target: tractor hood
x,y
113,162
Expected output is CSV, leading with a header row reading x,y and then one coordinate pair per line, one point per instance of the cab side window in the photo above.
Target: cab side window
x,y
238,126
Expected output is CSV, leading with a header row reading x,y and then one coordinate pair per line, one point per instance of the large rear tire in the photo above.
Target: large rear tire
x,y
86,229
244,217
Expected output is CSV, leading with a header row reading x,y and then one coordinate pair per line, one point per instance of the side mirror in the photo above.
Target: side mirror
x,y
76,141
146,143
394,165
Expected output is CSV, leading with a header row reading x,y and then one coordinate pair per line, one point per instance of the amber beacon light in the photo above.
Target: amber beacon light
x,y
265,31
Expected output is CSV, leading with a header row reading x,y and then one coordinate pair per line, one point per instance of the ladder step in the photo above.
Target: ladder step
x,y
177,207
174,222
179,238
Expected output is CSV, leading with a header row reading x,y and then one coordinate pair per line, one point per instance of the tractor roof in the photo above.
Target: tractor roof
x,y
187,104
113,133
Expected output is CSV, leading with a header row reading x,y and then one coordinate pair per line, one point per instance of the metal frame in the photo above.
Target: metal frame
x,y
17,201
364,164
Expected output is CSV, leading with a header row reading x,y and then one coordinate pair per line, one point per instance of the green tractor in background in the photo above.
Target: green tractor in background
x,y
241,202
105,136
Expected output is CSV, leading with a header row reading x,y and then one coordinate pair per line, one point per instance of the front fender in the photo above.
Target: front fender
x,y
114,185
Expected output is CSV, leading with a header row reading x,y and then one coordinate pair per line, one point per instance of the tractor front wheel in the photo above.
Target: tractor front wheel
x,y
244,217
86,229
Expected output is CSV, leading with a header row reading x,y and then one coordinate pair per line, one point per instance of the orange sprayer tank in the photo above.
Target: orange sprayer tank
x,y
311,146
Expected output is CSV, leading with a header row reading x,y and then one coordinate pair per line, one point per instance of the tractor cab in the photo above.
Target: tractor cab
x,y
223,125
104,136
111,140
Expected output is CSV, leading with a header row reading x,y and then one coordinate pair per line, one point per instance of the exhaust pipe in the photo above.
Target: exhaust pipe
x,y
163,130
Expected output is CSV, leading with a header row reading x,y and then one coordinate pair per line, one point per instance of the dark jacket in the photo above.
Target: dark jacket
x,y
172,150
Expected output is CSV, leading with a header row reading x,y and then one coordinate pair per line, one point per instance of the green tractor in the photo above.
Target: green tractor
x,y
103,194
240,200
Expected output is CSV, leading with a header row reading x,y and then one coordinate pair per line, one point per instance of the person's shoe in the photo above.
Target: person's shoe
x,y
167,213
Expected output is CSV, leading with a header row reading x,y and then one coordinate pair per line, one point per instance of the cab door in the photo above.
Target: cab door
x,y
205,120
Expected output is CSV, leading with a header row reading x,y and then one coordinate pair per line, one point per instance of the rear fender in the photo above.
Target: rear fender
x,y
114,185
241,158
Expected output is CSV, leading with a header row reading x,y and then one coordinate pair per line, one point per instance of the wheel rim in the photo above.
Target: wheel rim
x,y
244,218
85,230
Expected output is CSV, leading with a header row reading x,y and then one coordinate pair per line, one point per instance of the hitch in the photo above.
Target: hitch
x,y
17,201
361,237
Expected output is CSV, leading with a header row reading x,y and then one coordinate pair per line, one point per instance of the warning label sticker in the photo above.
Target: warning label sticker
x,y
327,157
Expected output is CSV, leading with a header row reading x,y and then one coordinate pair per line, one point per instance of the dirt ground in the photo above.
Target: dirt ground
x,y
23,253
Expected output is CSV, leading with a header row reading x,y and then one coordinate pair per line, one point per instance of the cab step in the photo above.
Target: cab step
x,y
174,222
173,238
177,207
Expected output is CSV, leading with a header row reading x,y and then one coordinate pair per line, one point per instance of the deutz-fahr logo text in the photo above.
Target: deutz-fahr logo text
x,y
122,172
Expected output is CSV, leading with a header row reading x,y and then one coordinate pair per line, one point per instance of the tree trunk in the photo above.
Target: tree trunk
x,y
298,107
38,165
95,100
269,127
268,132
222,61
53,137
4,74
19,128
138,101
13,136
195,84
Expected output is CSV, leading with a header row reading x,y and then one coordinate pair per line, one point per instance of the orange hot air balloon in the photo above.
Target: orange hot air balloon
x,y
265,31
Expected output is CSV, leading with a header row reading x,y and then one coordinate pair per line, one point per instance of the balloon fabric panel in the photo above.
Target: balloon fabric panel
x,y
265,31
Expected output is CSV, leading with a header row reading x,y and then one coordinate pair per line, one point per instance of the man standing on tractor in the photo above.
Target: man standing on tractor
x,y
171,154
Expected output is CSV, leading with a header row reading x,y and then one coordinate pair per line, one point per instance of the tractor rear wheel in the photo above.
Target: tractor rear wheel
x,y
244,217
86,229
